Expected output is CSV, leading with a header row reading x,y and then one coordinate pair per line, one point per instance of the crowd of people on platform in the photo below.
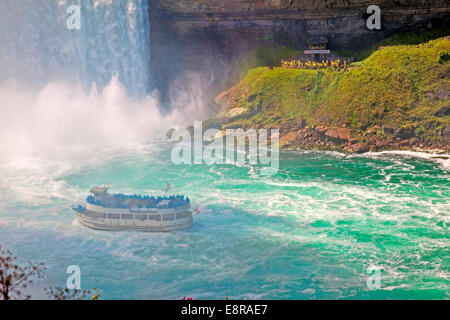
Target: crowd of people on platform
x,y
124,201
324,64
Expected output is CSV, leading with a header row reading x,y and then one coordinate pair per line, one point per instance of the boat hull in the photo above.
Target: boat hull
x,y
134,225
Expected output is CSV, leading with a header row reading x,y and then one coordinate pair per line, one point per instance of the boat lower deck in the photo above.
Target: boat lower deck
x,y
165,222
105,227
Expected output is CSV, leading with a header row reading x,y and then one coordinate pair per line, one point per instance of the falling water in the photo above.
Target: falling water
x,y
64,89
37,46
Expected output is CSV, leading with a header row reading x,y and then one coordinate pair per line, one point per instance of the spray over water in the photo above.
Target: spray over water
x,y
76,90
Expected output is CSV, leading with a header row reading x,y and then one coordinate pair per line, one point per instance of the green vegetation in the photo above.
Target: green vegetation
x,y
398,87
410,38
265,56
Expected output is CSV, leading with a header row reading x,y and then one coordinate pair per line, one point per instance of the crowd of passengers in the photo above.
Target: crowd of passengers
x,y
328,64
122,201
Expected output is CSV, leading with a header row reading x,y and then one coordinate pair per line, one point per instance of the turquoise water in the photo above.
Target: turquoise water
x,y
309,232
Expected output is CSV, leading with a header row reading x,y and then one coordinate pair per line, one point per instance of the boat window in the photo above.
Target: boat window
x,y
155,217
141,217
96,215
114,216
91,214
127,216
181,215
168,217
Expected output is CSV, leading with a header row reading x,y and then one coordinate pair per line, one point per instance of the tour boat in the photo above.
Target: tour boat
x,y
105,211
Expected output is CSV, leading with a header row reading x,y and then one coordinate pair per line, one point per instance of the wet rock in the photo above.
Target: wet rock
x,y
332,134
338,134
288,138
380,144
344,133
404,143
360,148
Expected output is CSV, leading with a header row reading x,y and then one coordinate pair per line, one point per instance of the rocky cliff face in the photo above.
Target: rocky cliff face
x,y
206,35
340,20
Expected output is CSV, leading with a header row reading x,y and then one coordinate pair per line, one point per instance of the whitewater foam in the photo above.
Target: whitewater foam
x,y
440,158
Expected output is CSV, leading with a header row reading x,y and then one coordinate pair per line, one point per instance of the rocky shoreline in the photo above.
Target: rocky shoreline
x,y
342,139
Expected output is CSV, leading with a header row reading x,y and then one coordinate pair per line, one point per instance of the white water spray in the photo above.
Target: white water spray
x,y
65,91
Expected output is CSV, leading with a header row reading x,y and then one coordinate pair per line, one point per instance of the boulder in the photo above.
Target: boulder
x,y
344,133
404,143
359,148
288,138
235,112
338,134
332,134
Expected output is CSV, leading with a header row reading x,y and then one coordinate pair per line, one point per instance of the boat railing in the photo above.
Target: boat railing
x,y
169,216
116,202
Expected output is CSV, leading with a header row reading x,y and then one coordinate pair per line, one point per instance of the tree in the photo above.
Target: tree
x,y
14,278
66,294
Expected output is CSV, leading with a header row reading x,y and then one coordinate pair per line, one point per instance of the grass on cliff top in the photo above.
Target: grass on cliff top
x,y
397,86
409,38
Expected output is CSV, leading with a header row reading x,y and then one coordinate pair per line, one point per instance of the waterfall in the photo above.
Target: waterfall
x,y
67,90
37,46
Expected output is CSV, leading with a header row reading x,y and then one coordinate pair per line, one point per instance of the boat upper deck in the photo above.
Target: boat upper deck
x,y
122,201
